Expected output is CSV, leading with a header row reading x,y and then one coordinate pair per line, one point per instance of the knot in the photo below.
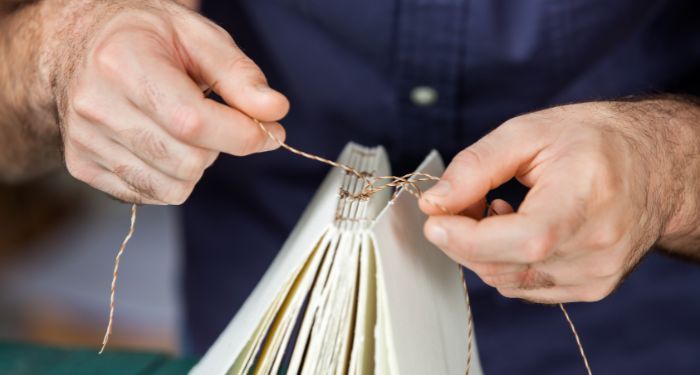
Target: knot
x,y
346,195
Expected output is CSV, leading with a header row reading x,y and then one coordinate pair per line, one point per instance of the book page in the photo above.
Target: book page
x,y
362,356
330,338
279,334
422,307
268,293
315,302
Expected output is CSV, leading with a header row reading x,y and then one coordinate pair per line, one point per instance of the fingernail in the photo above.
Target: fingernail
x,y
272,144
437,235
441,189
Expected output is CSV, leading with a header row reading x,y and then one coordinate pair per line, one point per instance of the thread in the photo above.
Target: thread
x,y
578,340
408,182
113,289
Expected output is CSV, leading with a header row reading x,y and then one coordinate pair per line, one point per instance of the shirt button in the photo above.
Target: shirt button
x,y
424,96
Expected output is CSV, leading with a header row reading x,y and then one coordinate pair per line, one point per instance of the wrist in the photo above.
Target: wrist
x,y
35,66
68,28
29,138
663,132
678,120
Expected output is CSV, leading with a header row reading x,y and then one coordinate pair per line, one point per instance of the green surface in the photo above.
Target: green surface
x,y
30,359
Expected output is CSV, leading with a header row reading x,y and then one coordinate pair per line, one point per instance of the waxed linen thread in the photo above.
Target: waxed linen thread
x,y
373,184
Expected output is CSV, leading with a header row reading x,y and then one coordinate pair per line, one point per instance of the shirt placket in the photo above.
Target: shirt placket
x,y
428,43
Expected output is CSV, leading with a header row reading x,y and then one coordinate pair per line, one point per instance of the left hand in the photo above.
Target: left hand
x,y
607,181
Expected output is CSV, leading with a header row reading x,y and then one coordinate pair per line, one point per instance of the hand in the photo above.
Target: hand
x,y
134,121
607,181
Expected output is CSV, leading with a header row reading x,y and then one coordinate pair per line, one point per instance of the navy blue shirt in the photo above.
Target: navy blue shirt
x,y
350,69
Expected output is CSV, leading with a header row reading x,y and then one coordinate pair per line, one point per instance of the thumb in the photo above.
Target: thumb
x,y
216,61
493,160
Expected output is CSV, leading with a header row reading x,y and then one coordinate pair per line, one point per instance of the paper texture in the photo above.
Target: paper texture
x,y
425,314
352,292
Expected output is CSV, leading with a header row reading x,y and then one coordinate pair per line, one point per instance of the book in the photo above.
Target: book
x,y
355,289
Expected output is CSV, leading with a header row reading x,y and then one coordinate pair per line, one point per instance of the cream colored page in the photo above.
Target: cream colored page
x,y
362,356
423,300
316,218
320,342
329,339
316,319
279,335
310,316
346,316
381,333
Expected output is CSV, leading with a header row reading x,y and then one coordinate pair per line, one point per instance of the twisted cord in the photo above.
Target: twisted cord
x,y
578,341
469,319
113,289
408,182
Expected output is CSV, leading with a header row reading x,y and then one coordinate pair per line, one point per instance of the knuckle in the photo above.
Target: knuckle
x,y
488,280
251,143
178,193
149,94
508,292
534,279
109,55
138,180
77,169
187,123
220,32
609,267
594,294
528,121
247,69
467,158
150,144
607,237
244,64
538,247
80,142
129,196
212,29
85,105
498,280
190,168
211,158
81,171
513,122
517,125
488,269
465,249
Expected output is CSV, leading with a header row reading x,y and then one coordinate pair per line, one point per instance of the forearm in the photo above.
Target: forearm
x,y
29,136
39,44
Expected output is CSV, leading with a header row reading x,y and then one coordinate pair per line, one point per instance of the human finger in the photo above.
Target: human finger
x,y
561,294
485,165
529,236
215,59
156,85
157,148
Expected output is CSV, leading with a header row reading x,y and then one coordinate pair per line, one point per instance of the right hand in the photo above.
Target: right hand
x,y
133,117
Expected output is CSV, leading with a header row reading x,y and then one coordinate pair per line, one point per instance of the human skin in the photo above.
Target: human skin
x,y
114,90
607,181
